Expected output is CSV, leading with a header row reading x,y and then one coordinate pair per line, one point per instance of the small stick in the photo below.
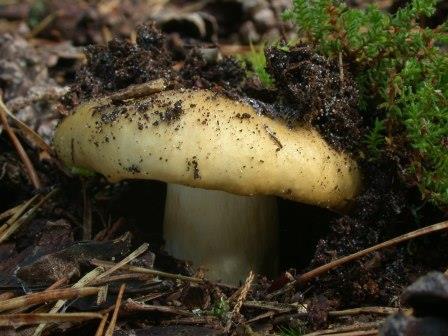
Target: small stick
x,y
263,316
34,178
14,226
15,320
60,303
42,297
125,261
240,300
31,134
153,272
344,329
58,283
306,277
113,320
194,320
276,307
139,90
100,330
131,305
10,212
366,310
121,277
371,332
338,262
20,210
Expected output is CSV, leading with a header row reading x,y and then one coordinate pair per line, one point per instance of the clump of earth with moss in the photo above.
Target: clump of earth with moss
x,y
401,71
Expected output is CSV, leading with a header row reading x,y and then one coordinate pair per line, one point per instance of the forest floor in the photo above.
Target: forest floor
x,y
79,255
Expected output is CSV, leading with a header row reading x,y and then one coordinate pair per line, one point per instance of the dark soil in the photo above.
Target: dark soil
x,y
322,94
121,64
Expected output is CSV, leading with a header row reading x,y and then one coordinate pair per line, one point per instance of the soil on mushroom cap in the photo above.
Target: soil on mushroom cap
x,y
310,88
320,92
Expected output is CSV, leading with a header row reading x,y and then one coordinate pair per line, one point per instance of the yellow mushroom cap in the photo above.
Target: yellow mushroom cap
x,y
202,139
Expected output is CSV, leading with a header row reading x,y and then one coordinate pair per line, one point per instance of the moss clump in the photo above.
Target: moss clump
x,y
256,65
401,69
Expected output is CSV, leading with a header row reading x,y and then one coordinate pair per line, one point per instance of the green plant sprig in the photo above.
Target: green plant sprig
x,y
401,69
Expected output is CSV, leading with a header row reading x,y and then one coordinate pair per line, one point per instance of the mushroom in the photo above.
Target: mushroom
x,y
224,164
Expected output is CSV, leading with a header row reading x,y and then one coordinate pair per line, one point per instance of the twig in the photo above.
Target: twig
x,y
139,90
5,234
10,212
20,210
100,329
58,283
108,232
113,320
30,134
125,261
153,272
276,307
15,320
239,303
51,295
299,310
131,305
60,303
365,310
245,290
336,263
306,277
211,321
121,277
34,178
344,329
263,316
149,297
370,332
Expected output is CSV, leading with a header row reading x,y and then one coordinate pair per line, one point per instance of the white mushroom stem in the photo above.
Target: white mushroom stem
x,y
205,140
226,234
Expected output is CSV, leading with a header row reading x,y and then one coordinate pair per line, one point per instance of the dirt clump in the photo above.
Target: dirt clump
x,y
120,64
321,92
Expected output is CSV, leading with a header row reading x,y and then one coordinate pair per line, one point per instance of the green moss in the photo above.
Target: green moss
x,y
256,61
220,308
402,72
